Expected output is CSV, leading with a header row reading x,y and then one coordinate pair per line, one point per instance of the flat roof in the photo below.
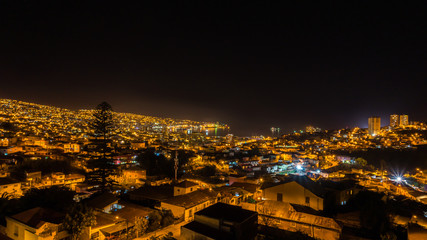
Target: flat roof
x,y
227,212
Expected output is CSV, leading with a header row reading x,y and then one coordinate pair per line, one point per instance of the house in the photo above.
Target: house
x,y
297,190
297,218
133,175
222,221
34,177
71,148
10,187
137,145
4,142
36,223
232,195
14,149
184,206
253,189
131,212
106,225
57,178
338,193
104,202
74,178
185,187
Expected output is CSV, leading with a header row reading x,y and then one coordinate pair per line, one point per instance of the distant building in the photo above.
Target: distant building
x,y
394,120
222,221
311,129
404,120
374,125
132,175
398,120
137,145
71,148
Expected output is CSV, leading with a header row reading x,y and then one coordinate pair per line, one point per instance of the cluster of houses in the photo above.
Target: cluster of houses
x,y
232,211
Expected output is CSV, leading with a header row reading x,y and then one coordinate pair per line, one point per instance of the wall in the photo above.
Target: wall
x,y
312,231
181,191
22,233
13,189
292,192
176,210
190,235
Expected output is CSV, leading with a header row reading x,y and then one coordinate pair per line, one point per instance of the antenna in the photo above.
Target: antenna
x,y
176,165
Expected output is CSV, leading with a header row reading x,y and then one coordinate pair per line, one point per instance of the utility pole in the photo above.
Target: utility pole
x,y
176,165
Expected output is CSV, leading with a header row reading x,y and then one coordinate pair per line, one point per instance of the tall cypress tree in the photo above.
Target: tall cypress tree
x,y
102,127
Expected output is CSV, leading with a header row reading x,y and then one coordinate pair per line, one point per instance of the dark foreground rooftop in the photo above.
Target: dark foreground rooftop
x,y
226,212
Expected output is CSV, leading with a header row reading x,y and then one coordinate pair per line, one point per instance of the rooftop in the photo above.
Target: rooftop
x,y
158,193
304,181
186,184
38,216
192,199
227,212
102,201
7,181
250,187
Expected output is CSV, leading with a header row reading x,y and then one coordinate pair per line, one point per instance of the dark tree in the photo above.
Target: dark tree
x,y
8,206
374,212
208,171
78,217
101,128
8,128
154,221
167,217
57,198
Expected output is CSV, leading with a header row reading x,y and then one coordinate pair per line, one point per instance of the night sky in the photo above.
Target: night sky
x,y
251,65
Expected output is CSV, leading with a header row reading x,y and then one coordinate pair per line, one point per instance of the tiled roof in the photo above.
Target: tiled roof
x,y
101,201
250,187
186,184
192,199
304,181
158,193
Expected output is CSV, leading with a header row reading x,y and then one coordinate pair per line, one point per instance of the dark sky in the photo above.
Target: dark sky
x,y
252,65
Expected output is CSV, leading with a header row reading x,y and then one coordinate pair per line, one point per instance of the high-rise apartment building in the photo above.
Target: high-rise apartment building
x,y
404,120
394,120
374,125
398,120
